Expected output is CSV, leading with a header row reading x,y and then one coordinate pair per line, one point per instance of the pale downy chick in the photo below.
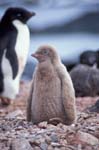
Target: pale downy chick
x,y
52,96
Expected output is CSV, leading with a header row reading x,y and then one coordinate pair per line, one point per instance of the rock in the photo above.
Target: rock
x,y
35,142
87,138
63,142
50,147
54,144
56,148
43,146
43,125
51,126
20,144
14,114
47,139
95,107
54,137
36,148
65,148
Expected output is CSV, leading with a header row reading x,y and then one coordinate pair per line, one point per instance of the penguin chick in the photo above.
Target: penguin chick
x,y
89,58
14,46
52,96
85,80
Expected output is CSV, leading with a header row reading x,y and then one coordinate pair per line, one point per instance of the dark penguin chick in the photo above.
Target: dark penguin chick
x,y
14,46
95,107
89,58
52,96
85,80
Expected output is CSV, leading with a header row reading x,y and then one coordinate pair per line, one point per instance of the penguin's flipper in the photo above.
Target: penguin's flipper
x,y
68,94
12,57
1,81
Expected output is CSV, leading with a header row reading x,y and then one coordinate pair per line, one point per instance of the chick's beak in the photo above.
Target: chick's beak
x,y
35,55
39,57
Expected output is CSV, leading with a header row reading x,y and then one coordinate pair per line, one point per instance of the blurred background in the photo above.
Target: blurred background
x,y
72,26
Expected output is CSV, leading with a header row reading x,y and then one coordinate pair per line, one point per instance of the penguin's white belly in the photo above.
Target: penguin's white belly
x,y
11,86
22,44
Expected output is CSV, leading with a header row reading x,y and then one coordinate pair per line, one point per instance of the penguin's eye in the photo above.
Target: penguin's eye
x,y
45,52
19,15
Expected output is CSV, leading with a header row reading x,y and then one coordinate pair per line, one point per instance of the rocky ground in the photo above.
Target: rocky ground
x,y
17,134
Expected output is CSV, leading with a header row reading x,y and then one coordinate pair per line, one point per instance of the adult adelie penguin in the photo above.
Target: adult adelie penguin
x,y
14,46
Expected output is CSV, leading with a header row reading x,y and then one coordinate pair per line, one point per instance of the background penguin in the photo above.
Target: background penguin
x,y
90,58
52,96
14,46
85,80
95,107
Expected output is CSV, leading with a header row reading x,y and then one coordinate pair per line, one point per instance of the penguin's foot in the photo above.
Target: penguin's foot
x,y
5,101
55,121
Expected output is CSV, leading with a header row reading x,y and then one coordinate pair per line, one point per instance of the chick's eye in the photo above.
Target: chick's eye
x,y
45,52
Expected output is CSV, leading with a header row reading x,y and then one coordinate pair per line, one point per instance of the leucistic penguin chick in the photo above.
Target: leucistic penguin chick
x,y
52,96
85,80
14,46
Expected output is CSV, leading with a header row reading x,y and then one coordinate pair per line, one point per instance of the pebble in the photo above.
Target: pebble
x,y
43,125
87,138
43,146
54,137
54,144
20,144
14,114
48,139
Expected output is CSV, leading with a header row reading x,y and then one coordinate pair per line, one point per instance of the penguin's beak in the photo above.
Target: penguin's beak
x,y
39,57
35,55
31,14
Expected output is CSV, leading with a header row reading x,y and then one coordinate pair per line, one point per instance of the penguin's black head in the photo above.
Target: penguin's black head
x,y
89,58
16,13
